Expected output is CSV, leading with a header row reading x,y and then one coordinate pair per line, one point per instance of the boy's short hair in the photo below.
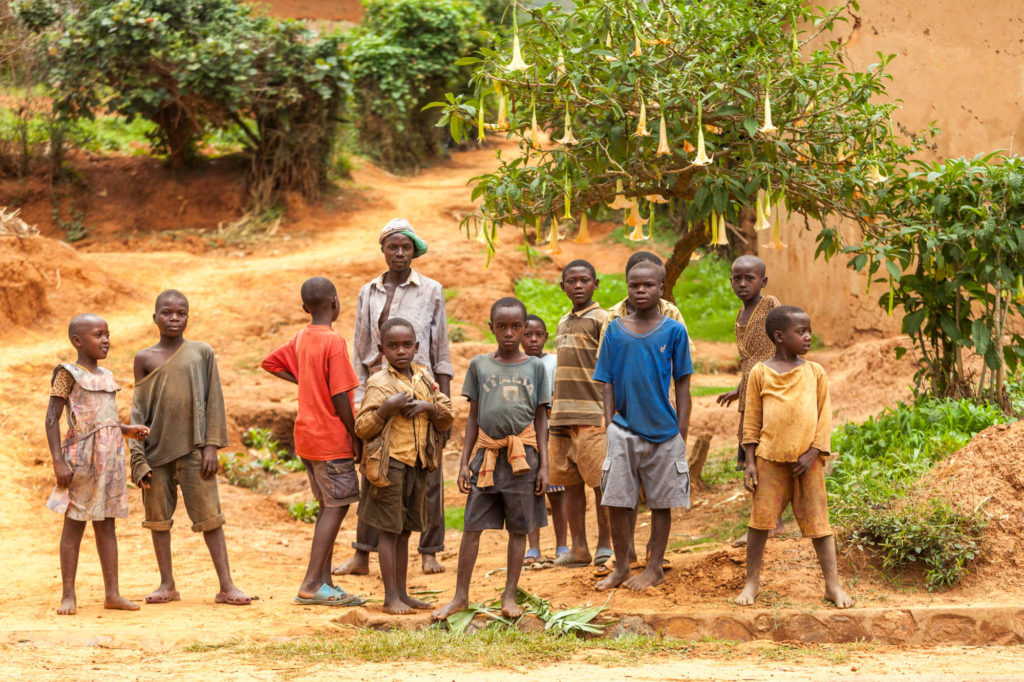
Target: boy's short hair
x,y
509,302
537,318
750,259
580,263
778,320
317,292
648,264
80,322
642,257
168,294
397,322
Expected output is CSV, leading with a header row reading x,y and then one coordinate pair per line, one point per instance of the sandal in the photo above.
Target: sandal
x,y
602,555
532,557
330,596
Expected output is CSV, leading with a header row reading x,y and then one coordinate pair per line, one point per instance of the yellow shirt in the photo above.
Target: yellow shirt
x,y
788,413
408,440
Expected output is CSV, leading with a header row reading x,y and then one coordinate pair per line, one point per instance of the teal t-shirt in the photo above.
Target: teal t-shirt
x,y
507,395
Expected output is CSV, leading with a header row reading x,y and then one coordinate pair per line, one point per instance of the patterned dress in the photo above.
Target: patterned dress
x,y
754,346
93,446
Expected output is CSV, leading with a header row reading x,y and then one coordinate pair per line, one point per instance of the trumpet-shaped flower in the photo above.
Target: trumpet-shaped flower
x,y
688,148
517,63
713,226
641,126
776,242
636,45
567,138
768,126
502,123
636,221
619,201
656,199
875,176
702,158
480,137
723,237
608,44
481,233
760,214
560,64
553,245
663,148
583,235
534,128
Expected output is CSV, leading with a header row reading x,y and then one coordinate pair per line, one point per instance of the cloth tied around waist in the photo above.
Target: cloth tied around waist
x,y
516,452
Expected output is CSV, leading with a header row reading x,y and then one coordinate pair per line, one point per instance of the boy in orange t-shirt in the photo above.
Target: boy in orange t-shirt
x,y
317,360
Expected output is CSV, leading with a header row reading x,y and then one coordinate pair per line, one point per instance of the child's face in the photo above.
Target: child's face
x,y
645,285
398,250
747,281
399,345
171,317
795,339
508,325
93,341
534,338
578,284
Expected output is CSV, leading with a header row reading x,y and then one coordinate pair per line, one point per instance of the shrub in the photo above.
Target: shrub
x,y
304,511
241,471
402,57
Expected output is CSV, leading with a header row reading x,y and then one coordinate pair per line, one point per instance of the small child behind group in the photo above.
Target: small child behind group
x,y
504,467
534,339
402,418
90,463
786,430
317,360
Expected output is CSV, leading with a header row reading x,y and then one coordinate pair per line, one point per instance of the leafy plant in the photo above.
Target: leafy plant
x,y
573,621
268,452
304,511
454,517
754,112
241,471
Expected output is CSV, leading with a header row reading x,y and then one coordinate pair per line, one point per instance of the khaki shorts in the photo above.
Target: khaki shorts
x,y
576,455
202,501
778,487
633,461
334,482
399,507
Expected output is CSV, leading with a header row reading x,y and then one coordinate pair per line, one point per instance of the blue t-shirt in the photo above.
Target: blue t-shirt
x,y
641,369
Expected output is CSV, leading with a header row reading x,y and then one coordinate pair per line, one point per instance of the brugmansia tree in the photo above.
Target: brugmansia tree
x,y
948,244
713,107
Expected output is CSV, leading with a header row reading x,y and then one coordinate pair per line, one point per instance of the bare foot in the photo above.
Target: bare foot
x,y
396,607
416,603
839,598
431,565
68,606
234,596
741,541
509,607
454,606
650,576
162,595
749,594
778,530
119,602
359,564
614,579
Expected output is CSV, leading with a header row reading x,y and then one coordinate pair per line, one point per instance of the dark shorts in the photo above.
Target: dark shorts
x,y
334,482
202,500
511,503
399,507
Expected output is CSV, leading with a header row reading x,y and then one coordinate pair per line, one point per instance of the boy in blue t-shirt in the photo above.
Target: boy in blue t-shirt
x,y
646,435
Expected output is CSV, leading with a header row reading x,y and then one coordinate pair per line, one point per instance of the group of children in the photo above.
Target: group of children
x,y
609,411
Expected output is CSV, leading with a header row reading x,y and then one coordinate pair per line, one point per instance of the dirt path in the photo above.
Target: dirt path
x,y
245,302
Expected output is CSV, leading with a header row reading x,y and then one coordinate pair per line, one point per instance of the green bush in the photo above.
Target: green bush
x,y
880,459
241,471
304,511
402,57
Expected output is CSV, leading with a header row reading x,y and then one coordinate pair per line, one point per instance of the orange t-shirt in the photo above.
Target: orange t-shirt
x,y
318,357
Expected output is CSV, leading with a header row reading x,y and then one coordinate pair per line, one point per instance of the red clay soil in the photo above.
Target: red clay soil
x,y
330,10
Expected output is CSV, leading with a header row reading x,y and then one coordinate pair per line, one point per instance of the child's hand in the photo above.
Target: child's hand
x,y
802,465
542,481
750,475
393,404
415,407
727,399
146,482
63,473
464,474
136,431
210,464
357,450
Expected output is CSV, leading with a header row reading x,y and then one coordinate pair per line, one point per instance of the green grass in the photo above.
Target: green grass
x,y
721,467
454,517
703,295
701,391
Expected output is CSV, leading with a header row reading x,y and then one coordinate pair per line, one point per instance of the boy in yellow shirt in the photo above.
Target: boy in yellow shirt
x,y
787,428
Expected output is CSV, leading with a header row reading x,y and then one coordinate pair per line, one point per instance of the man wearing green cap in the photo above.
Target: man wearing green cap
x,y
403,292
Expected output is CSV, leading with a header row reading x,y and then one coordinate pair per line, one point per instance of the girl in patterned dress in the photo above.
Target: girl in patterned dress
x,y
90,462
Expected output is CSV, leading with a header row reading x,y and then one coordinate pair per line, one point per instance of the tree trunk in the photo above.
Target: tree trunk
x,y
695,237
178,130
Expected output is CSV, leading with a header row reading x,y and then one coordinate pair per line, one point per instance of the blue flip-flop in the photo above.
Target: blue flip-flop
x,y
602,555
561,552
330,596
532,557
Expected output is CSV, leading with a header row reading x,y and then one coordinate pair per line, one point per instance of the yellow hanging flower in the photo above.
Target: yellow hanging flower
x,y
534,128
875,176
761,213
560,64
723,237
776,242
702,158
619,201
713,224
553,245
567,138
656,199
641,126
517,63
583,235
480,137
636,45
636,221
608,44
768,126
1020,288
481,233
663,148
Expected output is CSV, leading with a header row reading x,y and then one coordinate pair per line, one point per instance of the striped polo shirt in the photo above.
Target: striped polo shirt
x,y
578,399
